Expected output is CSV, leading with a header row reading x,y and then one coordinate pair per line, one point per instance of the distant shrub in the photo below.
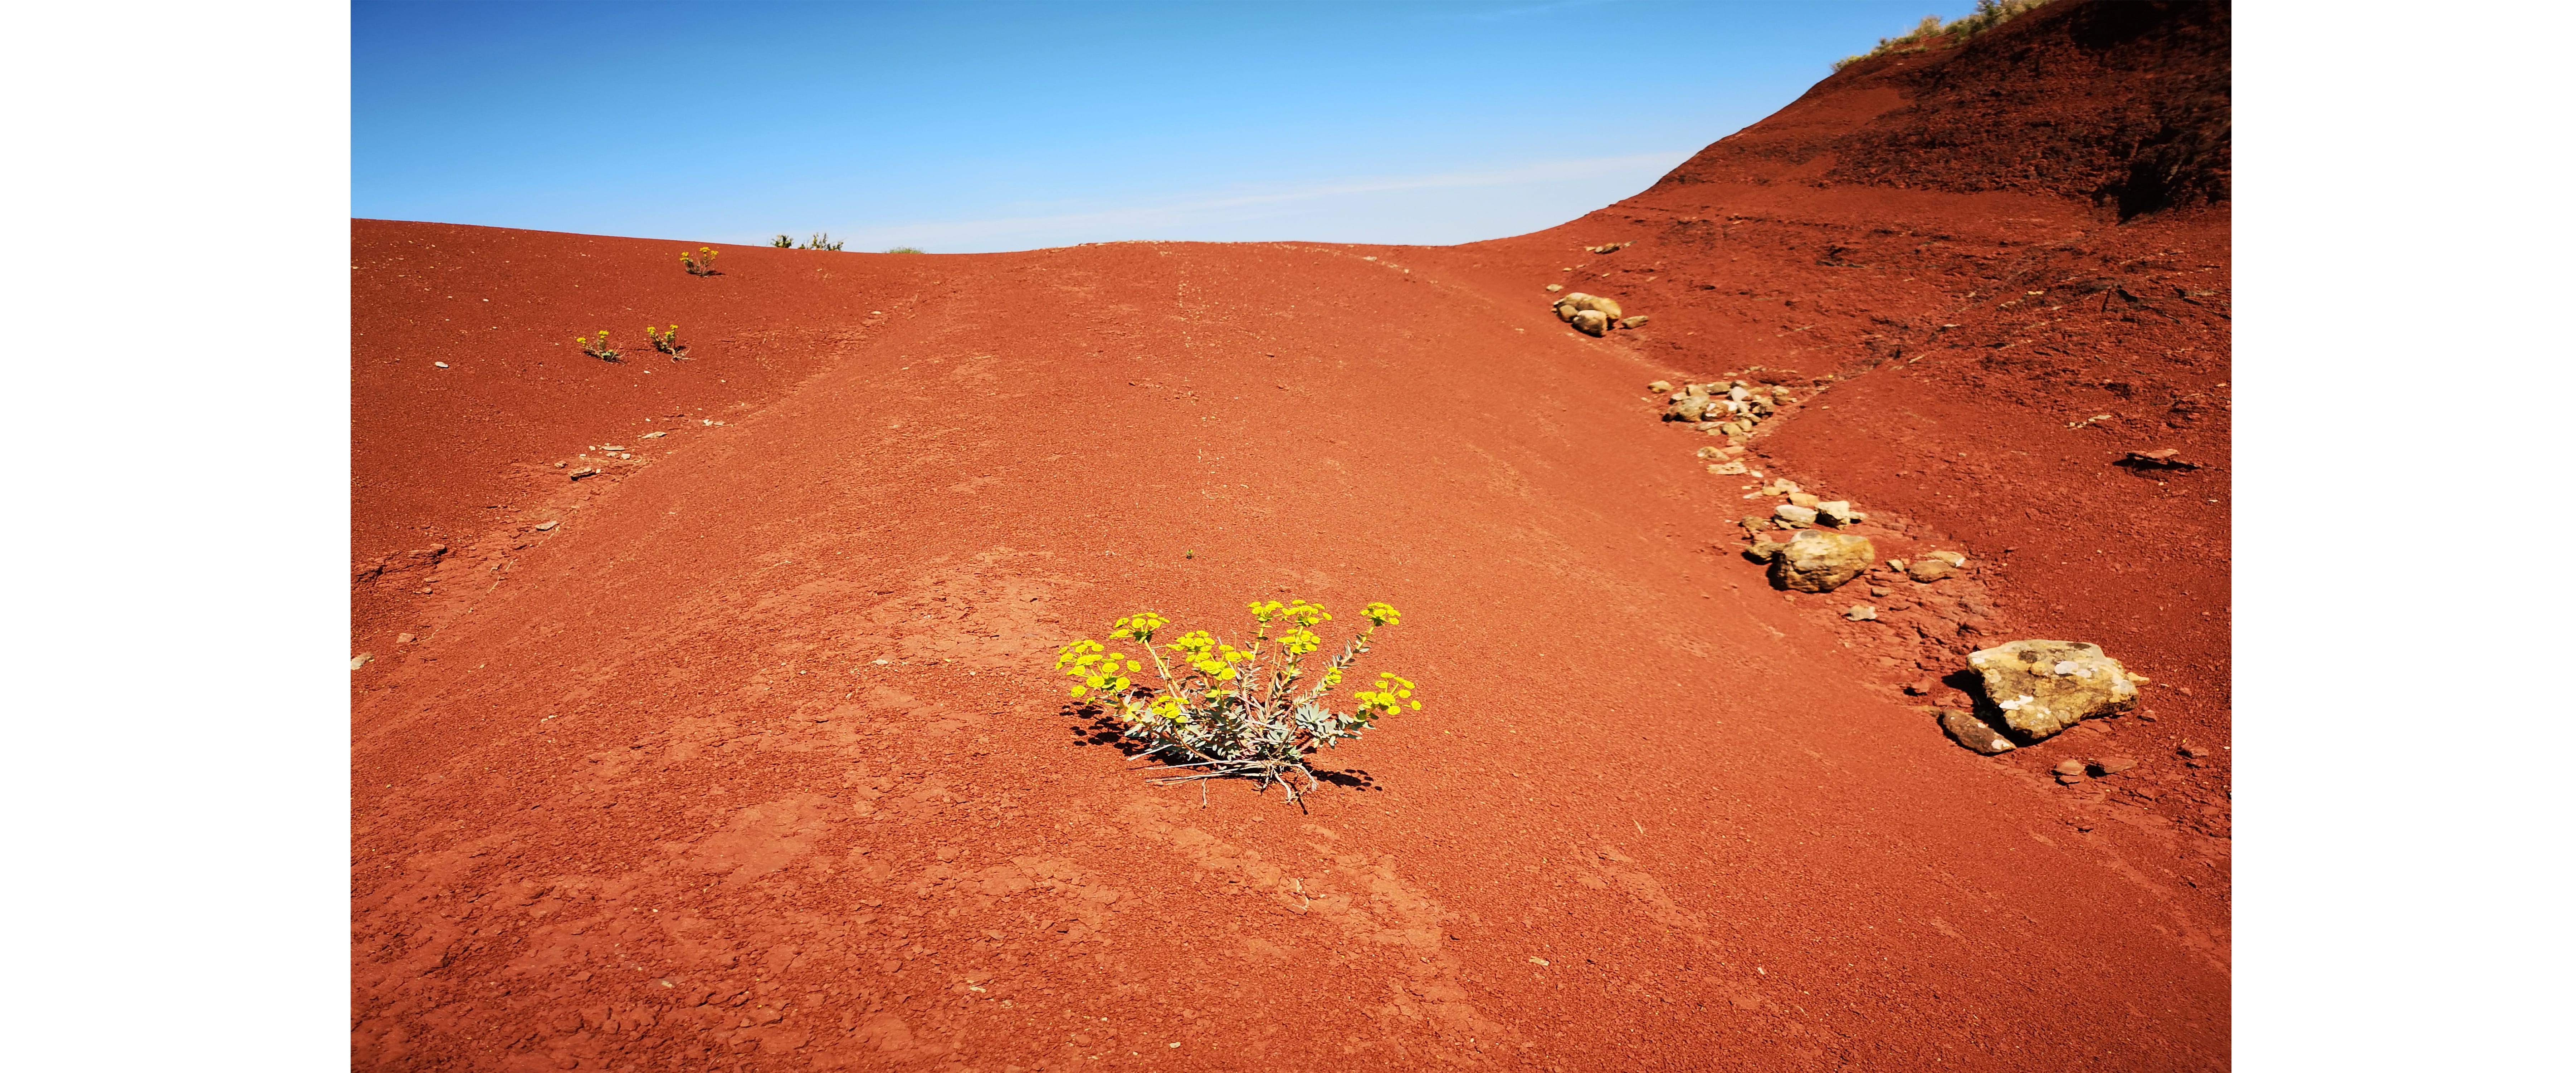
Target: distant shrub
x,y
1235,712
701,263
668,341
1931,31
597,348
820,242
905,249
783,242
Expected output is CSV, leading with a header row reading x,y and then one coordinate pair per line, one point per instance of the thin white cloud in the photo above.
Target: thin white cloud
x,y
1174,217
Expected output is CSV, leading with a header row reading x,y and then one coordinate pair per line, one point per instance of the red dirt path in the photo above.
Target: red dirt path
x,y
755,761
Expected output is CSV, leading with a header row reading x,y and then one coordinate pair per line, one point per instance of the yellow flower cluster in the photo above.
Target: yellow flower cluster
x,y
1219,711
1300,641
1091,671
1306,614
1210,656
1137,627
1297,611
1393,693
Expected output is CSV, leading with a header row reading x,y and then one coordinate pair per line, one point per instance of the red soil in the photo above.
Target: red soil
x,y
641,793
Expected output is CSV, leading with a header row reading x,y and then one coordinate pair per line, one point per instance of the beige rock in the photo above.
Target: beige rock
x,y
1838,512
1689,408
2043,687
1972,732
1712,451
1552,288
1804,499
1794,514
1661,387
1928,570
1861,613
1819,561
1590,322
1951,557
1638,321
1579,301
1763,551
1727,469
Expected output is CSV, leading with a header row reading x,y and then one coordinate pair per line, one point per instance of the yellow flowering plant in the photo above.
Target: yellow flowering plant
x,y
597,348
667,340
1212,710
701,263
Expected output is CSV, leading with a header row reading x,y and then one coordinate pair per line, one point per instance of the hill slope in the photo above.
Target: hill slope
x,y
753,760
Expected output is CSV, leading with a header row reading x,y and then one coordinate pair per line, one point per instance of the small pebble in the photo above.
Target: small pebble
x,y
440,364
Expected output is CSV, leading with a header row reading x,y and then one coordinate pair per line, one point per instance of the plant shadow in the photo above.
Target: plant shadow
x,y
1092,725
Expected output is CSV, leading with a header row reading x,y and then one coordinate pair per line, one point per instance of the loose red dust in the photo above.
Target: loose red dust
x,y
755,760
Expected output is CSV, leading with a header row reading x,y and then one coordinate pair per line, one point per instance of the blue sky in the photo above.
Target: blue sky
x,y
962,127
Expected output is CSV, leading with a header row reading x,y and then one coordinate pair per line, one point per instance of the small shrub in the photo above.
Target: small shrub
x,y
701,263
668,341
1929,32
783,242
1217,711
905,249
597,348
821,242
